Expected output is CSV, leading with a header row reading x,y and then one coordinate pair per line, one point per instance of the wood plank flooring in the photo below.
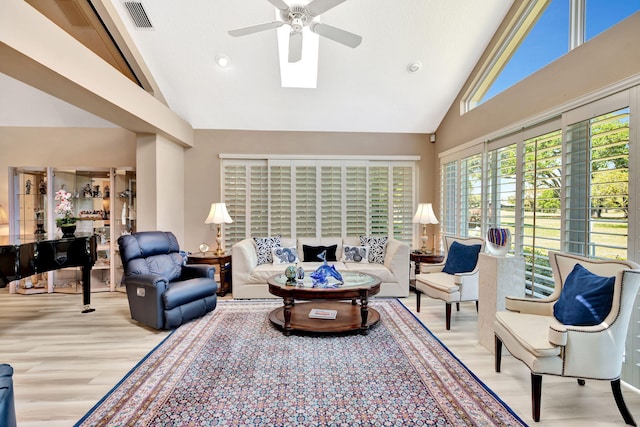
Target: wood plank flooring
x,y
66,361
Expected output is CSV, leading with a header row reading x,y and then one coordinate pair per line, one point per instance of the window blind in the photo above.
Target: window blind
x,y
316,198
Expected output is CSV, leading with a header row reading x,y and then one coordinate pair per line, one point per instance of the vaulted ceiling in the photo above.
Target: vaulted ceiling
x,y
364,89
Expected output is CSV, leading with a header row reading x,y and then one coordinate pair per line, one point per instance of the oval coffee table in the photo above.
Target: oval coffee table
x,y
294,316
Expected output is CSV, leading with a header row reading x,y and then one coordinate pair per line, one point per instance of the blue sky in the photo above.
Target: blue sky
x,y
549,38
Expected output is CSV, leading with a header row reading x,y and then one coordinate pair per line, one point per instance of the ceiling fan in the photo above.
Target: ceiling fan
x,y
297,17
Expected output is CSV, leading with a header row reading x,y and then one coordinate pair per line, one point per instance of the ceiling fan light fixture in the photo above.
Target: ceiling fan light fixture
x,y
223,61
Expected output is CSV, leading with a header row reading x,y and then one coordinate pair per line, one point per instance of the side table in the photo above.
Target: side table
x,y
222,261
421,257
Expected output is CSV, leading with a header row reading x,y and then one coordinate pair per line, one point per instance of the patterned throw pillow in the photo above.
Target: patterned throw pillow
x,y
377,247
359,254
285,255
263,248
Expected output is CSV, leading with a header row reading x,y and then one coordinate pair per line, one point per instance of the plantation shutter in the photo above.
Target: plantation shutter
x,y
306,199
541,201
356,200
449,194
331,200
378,200
501,187
280,204
597,186
402,202
470,204
235,184
319,198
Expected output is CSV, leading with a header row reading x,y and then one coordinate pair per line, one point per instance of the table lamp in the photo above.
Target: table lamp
x,y
218,215
424,215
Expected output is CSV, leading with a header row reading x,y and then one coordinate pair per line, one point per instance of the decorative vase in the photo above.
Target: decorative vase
x,y
498,241
290,273
68,230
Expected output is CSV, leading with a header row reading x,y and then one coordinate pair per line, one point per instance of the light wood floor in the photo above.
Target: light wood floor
x,y
66,361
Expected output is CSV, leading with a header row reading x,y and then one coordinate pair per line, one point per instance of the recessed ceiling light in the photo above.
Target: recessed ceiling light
x,y
414,67
223,61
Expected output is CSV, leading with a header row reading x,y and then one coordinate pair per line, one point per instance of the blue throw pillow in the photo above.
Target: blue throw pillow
x,y
585,299
461,258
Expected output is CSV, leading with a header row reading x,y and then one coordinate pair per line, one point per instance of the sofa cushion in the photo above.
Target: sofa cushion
x,y
357,254
585,299
285,255
443,282
378,247
310,253
385,275
263,248
461,258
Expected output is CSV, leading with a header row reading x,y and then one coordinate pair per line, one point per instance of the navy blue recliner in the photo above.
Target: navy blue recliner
x,y
163,292
7,403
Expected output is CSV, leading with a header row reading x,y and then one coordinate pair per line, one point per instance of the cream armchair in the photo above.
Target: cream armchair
x,y
532,334
436,282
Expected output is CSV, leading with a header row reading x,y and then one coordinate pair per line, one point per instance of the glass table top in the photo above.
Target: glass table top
x,y
350,279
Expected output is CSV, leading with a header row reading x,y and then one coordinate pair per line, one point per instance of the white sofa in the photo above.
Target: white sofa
x,y
249,280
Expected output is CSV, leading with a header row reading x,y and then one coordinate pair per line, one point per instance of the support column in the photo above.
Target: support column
x,y
160,185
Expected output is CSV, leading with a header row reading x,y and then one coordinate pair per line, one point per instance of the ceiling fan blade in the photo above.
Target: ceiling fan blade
x,y
279,4
295,46
317,7
255,28
336,34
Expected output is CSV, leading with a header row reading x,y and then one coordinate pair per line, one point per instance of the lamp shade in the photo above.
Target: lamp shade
x,y
218,214
424,214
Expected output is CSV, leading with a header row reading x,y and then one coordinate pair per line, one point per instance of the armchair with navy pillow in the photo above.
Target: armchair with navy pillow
x,y
163,291
579,331
456,278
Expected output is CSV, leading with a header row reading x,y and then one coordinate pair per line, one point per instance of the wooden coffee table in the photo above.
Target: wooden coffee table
x,y
294,316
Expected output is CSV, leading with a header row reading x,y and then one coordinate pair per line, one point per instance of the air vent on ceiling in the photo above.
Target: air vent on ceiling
x,y
138,14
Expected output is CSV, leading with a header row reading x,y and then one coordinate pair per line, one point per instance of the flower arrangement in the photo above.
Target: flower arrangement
x,y
64,208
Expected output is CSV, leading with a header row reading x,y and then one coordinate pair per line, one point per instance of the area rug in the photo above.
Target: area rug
x,y
234,368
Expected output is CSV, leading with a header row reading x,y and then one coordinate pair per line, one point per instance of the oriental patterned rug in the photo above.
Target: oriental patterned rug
x,y
233,368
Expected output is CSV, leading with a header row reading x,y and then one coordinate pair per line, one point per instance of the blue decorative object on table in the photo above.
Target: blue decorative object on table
x,y
290,273
321,274
300,273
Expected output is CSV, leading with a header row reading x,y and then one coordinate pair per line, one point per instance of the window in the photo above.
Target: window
x,y
597,193
449,192
462,200
309,198
604,14
541,32
544,43
540,214
501,188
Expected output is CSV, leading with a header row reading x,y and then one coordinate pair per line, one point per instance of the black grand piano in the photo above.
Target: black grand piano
x,y
24,256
